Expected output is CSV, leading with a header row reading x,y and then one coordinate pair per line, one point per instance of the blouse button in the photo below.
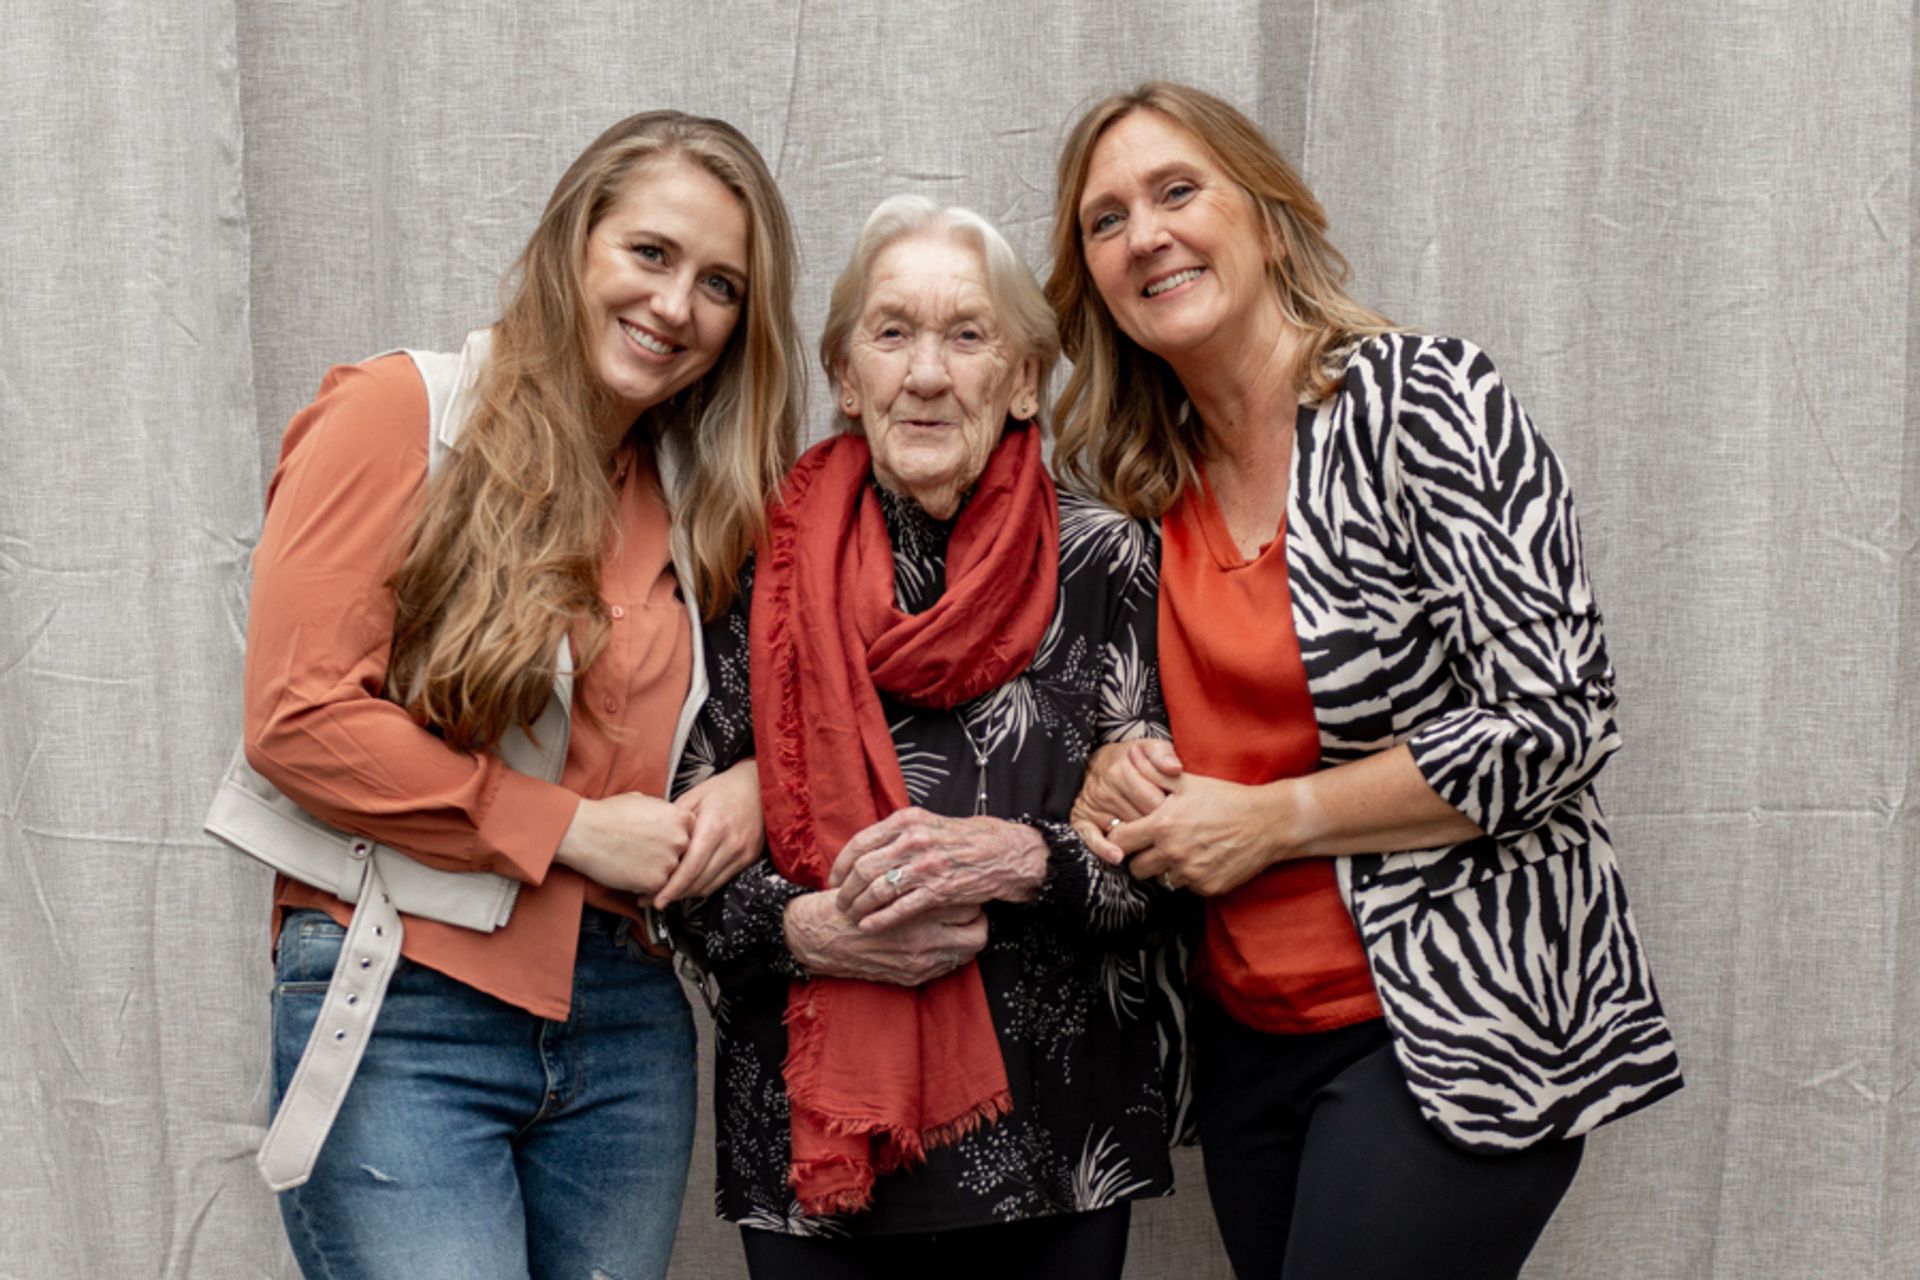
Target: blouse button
x,y
618,612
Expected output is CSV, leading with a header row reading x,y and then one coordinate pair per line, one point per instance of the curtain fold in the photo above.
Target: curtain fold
x,y
1899,1172
131,1027
1684,232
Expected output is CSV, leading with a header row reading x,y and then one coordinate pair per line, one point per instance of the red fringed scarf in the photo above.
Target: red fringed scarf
x,y
878,1073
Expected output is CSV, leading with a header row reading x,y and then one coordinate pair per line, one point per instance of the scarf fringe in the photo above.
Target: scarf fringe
x,y
952,1131
851,1199
901,1146
782,540
896,1149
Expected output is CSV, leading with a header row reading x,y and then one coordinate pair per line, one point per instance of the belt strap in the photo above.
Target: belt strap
x,y
368,957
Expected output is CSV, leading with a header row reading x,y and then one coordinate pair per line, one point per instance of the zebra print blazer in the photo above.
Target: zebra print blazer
x,y
1441,600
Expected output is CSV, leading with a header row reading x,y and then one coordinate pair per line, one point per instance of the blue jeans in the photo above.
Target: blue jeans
x,y
479,1141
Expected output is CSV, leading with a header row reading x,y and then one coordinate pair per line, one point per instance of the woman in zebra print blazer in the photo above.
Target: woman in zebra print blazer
x,y
1420,981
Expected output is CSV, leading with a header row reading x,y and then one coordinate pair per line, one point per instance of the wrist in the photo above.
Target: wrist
x,y
1024,864
575,840
806,923
1291,819
1030,860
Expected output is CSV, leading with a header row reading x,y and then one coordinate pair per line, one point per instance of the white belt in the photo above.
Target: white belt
x,y
368,957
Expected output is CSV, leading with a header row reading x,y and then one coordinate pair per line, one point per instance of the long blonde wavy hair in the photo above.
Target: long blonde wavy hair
x,y
505,557
1124,432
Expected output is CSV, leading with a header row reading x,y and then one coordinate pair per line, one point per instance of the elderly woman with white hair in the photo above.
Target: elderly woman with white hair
x,y
945,1029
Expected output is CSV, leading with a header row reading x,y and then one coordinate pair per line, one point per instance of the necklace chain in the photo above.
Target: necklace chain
x,y
979,762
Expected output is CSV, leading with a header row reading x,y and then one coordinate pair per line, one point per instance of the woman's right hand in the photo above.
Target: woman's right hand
x,y
727,831
629,841
1125,781
829,943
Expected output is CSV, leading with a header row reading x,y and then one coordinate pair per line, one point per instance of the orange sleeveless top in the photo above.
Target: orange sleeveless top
x,y
1280,952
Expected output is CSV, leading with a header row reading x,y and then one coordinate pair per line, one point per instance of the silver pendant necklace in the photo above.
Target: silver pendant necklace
x,y
979,763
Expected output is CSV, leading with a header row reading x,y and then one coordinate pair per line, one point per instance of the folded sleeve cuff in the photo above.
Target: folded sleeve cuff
x,y
520,824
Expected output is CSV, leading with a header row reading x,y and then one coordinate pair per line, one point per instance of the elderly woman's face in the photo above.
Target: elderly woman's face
x,y
929,372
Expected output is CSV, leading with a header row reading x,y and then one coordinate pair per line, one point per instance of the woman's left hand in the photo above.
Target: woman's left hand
x,y
1208,835
913,861
727,831
1124,781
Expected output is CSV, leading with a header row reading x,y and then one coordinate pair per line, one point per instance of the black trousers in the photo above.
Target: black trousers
x,y
1320,1167
1071,1246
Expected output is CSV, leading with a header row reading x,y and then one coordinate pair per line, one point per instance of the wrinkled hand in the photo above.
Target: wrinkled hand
x,y
1125,781
725,837
629,841
913,861
829,943
1208,835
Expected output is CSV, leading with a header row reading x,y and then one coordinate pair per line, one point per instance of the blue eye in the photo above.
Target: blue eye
x,y
1103,222
1180,191
649,253
723,288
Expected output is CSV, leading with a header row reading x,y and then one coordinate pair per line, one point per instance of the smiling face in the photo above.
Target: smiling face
x,y
1175,246
664,284
929,373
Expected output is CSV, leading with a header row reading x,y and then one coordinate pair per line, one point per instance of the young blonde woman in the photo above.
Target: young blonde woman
x,y
1419,984
473,658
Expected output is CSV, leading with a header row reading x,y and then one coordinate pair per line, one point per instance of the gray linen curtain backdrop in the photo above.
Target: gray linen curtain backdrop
x,y
1684,230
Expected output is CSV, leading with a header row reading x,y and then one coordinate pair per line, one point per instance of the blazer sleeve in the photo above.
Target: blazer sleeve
x,y
1496,554
352,468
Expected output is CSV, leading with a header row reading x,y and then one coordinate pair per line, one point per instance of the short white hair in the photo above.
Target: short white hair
x,y
1019,306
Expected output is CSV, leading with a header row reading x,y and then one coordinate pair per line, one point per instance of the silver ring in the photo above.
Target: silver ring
x,y
894,877
1166,880
952,959
1113,825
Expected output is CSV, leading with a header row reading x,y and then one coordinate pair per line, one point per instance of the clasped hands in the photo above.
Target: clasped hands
x,y
906,898
664,851
1139,808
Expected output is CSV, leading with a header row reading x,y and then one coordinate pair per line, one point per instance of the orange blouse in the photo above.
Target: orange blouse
x,y
352,468
1280,952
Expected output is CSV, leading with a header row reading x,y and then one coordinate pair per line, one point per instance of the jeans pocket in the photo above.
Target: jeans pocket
x,y
310,945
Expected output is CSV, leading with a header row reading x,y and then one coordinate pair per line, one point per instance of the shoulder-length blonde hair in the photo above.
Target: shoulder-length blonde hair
x,y
1019,307
505,558
1124,434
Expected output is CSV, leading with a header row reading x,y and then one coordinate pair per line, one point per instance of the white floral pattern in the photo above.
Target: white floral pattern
x,y
1103,1177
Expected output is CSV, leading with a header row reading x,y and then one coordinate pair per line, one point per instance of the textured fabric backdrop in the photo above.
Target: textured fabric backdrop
x,y
1685,231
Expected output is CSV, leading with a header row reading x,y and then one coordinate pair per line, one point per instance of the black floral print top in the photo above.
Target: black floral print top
x,y
1083,983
